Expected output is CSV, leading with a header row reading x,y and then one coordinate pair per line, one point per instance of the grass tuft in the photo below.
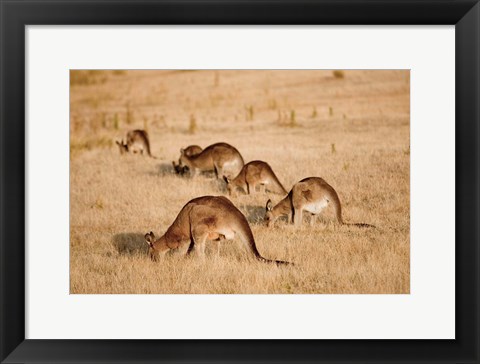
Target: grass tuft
x,y
192,126
249,113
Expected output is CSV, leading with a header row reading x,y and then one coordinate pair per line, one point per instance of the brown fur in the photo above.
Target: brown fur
x,y
138,142
192,150
201,219
311,194
253,174
221,158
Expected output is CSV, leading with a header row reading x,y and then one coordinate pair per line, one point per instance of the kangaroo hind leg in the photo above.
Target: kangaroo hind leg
x,y
199,236
298,217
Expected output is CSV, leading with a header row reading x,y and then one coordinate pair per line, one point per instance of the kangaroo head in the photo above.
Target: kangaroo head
x,y
179,169
122,146
176,167
155,246
184,159
269,216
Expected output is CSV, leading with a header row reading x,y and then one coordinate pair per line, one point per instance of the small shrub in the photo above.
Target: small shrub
x,y
192,127
293,119
128,114
314,113
272,104
333,148
104,120
338,74
98,204
249,113
330,111
116,122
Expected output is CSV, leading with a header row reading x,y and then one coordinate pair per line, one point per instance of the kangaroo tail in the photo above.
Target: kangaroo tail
x,y
337,206
247,238
279,185
147,145
150,153
277,262
360,224
281,189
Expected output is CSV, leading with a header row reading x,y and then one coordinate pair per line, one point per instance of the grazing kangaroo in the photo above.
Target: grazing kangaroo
x,y
311,194
189,151
201,219
221,158
253,174
137,142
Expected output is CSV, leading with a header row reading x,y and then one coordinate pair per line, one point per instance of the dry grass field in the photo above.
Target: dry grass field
x,y
351,128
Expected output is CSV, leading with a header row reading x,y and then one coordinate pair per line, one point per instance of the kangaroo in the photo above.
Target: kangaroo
x,y
189,151
221,158
253,174
201,219
311,194
138,142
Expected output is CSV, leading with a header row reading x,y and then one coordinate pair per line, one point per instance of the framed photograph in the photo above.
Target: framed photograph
x,y
239,181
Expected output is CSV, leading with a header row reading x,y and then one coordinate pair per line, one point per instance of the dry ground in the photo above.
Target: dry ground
x,y
353,131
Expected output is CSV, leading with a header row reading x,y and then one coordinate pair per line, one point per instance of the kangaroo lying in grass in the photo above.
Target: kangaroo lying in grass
x,y
221,158
137,142
189,151
253,174
312,195
201,219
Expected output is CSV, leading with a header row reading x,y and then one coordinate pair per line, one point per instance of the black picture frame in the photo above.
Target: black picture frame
x,y
15,15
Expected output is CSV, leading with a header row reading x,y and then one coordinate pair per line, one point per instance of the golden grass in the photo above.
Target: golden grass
x,y
115,200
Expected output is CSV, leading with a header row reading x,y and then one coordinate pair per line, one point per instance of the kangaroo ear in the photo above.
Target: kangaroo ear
x,y
226,179
269,205
116,141
182,151
150,238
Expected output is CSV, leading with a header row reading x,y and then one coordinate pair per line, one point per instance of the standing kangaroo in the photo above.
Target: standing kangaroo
x,y
253,174
137,142
311,194
201,219
189,151
221,158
